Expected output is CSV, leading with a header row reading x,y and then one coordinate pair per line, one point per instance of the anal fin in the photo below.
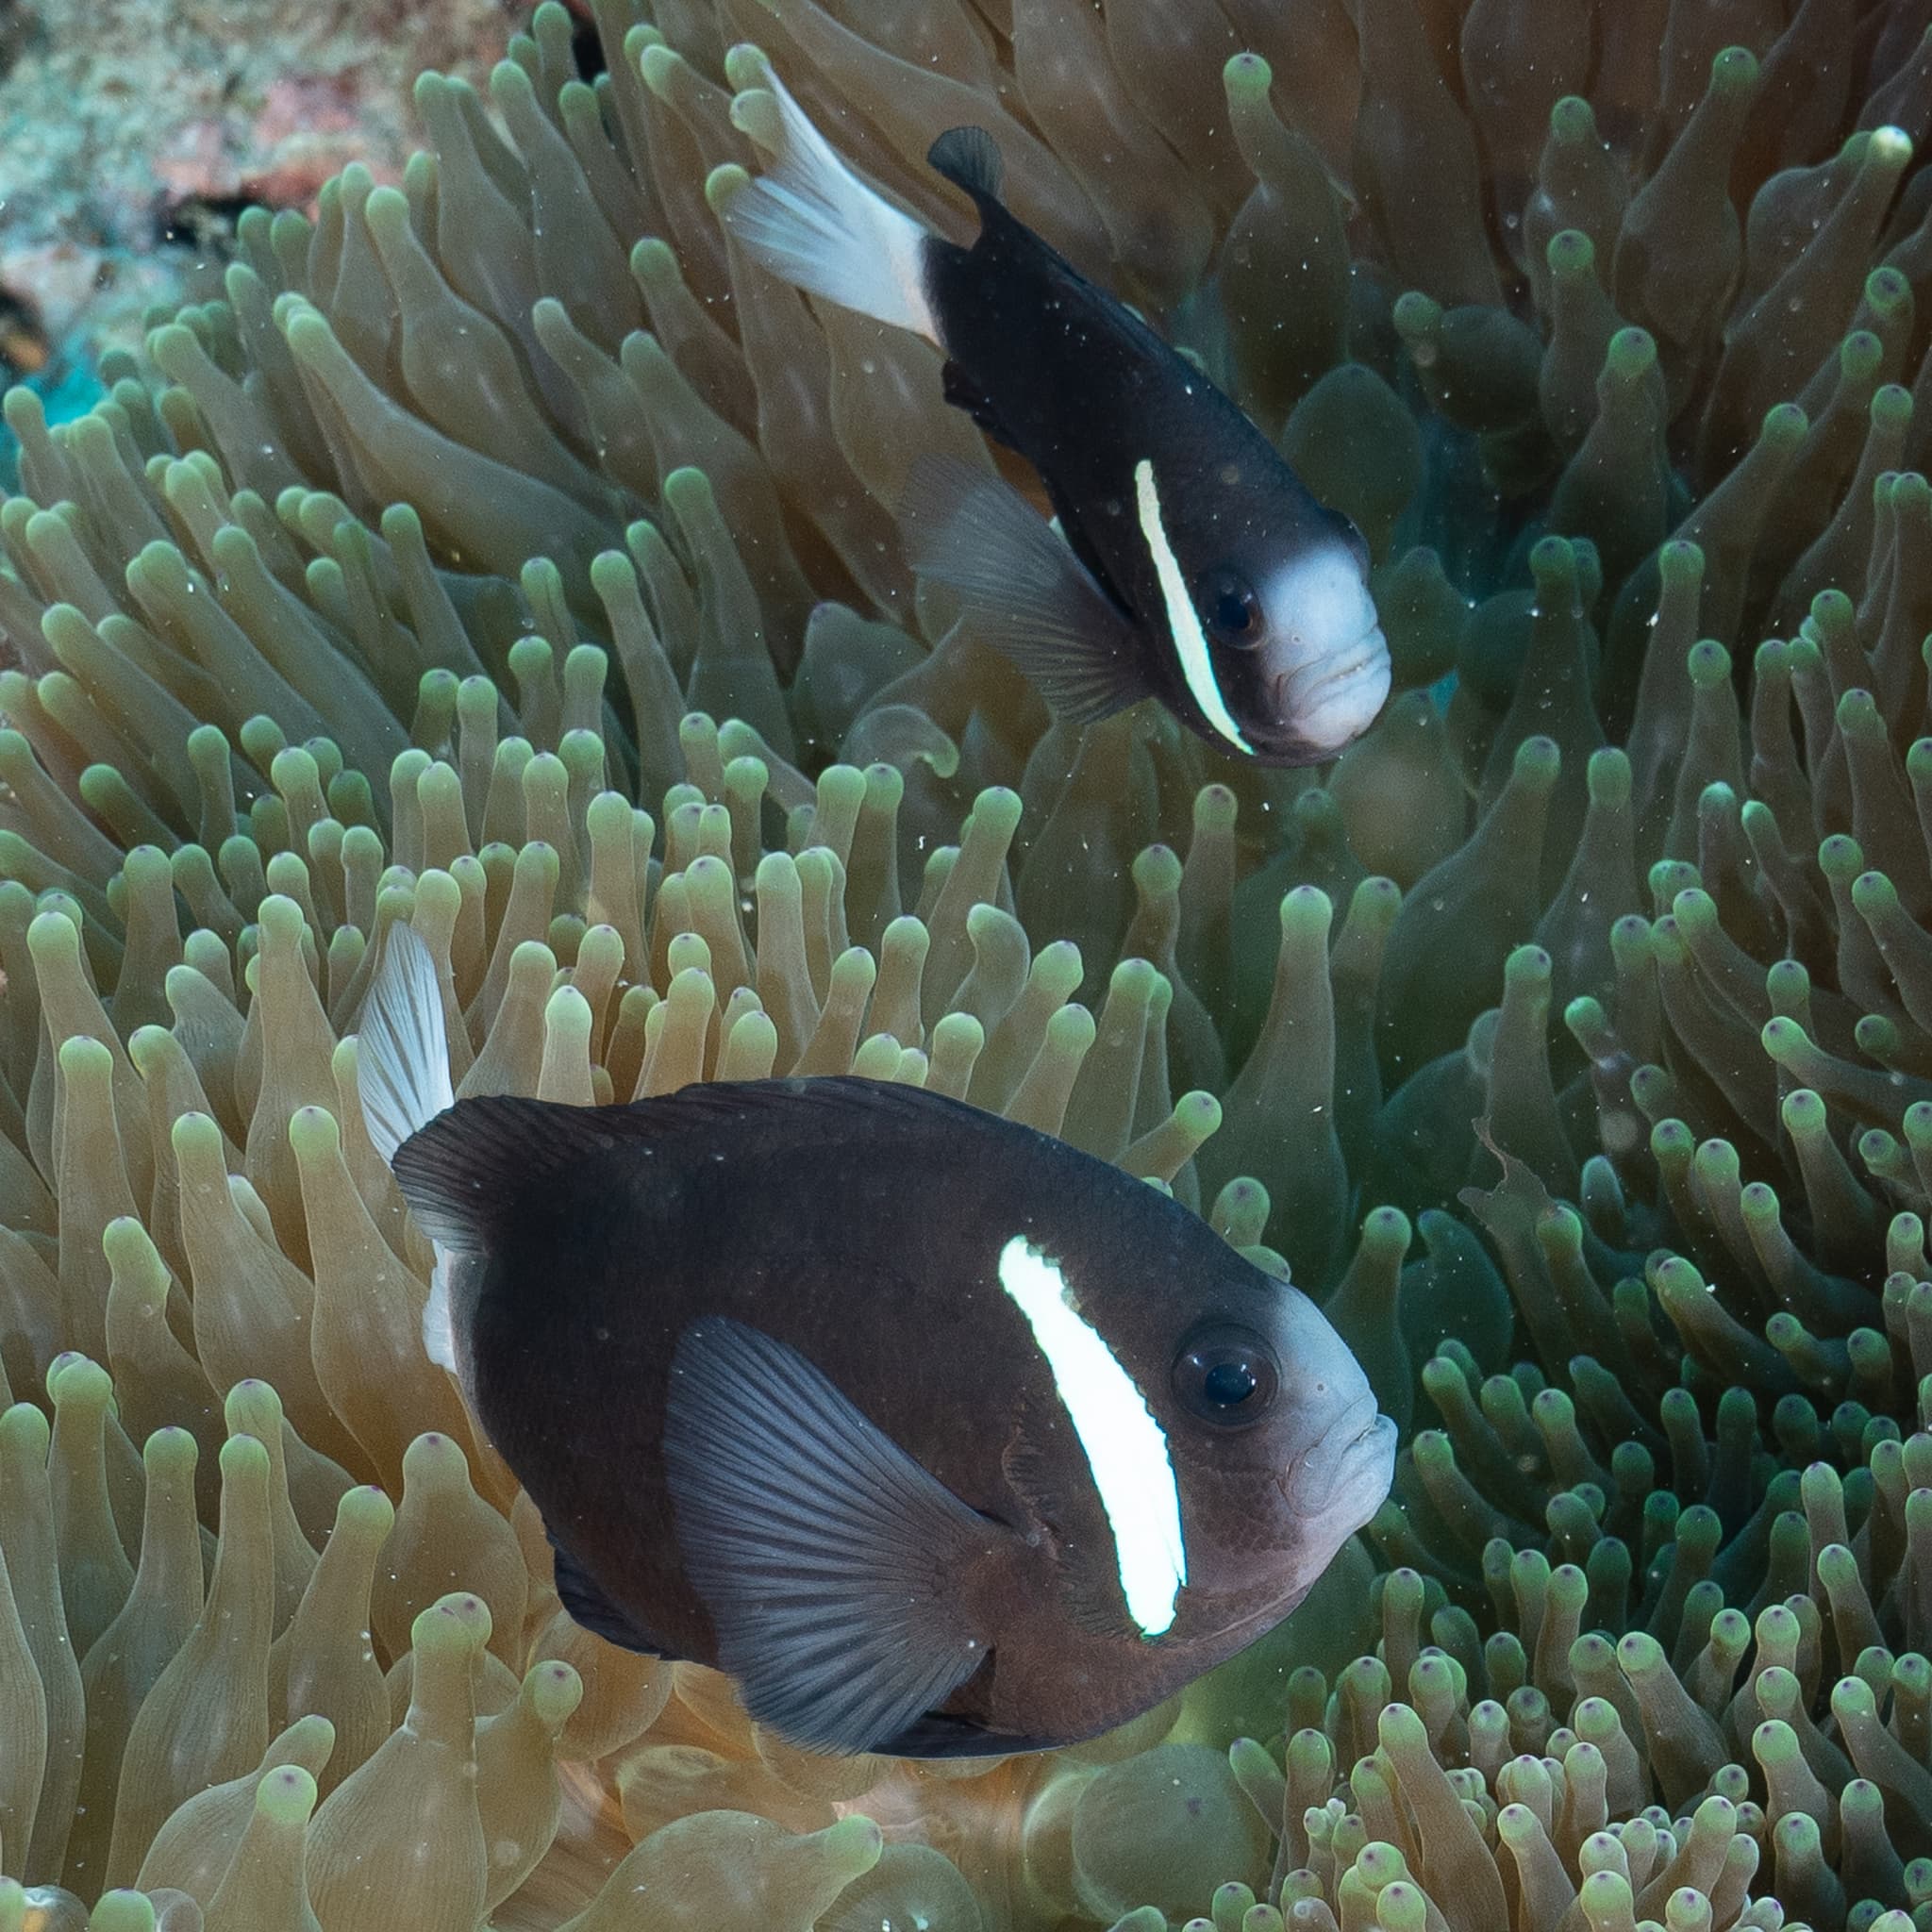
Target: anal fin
x,y
1025,591
964,393
941,1733
587,1605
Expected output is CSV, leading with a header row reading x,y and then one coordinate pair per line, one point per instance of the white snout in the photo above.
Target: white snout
x,y
1327,655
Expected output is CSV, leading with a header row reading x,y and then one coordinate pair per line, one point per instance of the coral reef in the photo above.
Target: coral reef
x,y
475,563
129,134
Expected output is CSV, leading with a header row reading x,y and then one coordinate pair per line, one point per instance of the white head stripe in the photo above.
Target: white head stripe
x,y
1183,623
1124,1446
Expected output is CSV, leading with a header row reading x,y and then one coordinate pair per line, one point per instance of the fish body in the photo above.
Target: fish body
x,y
1196,567
940,1436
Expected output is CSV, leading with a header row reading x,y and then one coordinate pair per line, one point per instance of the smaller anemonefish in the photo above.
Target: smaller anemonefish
x,y
1196,567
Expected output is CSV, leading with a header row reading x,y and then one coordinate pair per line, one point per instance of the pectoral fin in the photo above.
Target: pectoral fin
x,y
1025,592
833,1566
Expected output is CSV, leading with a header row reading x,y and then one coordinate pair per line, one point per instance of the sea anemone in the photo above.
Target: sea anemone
x,y
316,619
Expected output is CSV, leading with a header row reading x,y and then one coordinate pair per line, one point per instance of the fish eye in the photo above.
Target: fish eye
x,y
1226,1375
1233,610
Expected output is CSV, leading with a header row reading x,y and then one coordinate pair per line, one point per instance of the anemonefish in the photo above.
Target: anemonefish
x,y
1191,565
939,1435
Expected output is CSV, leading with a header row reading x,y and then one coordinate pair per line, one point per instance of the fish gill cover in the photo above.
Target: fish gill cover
x,y
481,564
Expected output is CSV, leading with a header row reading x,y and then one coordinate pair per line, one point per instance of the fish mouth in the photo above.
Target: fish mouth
x,y
1348,1472
1325,714
1341,704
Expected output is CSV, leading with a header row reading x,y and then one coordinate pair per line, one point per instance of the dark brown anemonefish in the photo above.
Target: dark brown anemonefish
x,y
1196,567
939,1435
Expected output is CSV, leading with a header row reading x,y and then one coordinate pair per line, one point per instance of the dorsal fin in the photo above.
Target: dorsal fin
x,y
969,158
467,1172
464,1173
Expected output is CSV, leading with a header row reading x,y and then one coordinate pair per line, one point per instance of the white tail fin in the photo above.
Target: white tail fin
x,y
814,222
439,1329
402,1072
402,1055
